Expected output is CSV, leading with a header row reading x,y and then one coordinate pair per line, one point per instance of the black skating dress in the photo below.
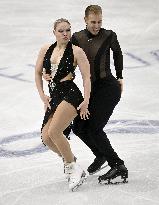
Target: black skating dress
x,y
65,90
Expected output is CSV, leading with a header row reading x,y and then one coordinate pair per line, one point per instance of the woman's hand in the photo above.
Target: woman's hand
x,y
46,99
83,107
47,77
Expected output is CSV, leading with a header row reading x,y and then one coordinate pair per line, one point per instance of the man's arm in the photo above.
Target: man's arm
x,y
74,41
117,56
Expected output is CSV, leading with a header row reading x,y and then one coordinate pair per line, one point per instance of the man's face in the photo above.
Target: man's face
x,y
93,22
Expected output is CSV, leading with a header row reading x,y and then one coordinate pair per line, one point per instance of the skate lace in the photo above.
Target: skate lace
x,y
68,169
72,178
67,166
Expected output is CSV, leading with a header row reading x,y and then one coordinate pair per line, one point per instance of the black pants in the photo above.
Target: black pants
x,y
105,96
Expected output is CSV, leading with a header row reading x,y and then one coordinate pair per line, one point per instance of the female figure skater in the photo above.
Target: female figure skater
x,y
65,102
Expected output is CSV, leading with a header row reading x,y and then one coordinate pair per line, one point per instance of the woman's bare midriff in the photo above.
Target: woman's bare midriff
x,y
68,77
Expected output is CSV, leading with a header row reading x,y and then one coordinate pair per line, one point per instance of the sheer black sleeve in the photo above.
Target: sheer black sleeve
x,y
117,56
74,41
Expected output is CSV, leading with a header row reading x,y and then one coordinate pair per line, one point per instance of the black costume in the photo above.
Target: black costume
x,y
66,90
105,94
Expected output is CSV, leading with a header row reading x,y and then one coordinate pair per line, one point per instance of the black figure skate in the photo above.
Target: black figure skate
x,y
114,174
96,166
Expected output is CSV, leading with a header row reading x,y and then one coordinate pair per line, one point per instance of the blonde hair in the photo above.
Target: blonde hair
x,y
95,9
60,21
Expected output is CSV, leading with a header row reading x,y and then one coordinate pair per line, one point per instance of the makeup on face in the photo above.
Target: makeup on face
x,y
63,31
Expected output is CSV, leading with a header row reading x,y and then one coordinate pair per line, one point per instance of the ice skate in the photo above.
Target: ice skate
x,y
96,166
116,175
66,169
76,175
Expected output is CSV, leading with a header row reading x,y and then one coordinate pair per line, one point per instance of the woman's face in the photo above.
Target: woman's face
x,y
63,32
94,23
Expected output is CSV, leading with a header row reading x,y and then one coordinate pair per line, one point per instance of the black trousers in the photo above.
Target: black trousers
x,y
105,96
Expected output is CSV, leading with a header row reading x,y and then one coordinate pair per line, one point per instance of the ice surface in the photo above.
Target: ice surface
x,y
30,174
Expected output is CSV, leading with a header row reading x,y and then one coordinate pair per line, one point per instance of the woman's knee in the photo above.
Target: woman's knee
x,y
45,138
54,133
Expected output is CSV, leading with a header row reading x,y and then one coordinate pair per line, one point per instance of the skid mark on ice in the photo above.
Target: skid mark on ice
x,y
15,77
31,187
113,127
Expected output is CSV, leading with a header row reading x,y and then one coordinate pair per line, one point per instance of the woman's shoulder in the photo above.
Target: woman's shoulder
x,y
77,50
45,47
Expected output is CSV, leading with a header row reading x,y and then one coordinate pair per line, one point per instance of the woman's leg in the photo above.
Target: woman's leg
x,y
46,139
63,116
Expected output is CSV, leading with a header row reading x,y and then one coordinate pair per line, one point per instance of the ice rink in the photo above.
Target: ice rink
x,y
32,175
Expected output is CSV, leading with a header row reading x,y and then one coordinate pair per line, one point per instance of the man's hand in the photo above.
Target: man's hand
x,y
121,84
47,77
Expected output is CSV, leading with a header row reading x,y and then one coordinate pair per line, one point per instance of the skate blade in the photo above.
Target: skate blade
x,y
98,170
83,178
117,180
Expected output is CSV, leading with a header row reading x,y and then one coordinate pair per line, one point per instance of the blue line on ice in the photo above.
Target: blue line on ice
x,y
114,126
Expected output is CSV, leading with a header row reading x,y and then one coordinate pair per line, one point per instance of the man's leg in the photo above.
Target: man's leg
x,y
102,103
80,128
105,97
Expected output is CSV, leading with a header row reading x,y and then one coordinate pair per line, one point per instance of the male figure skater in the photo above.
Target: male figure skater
x,y
106,92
